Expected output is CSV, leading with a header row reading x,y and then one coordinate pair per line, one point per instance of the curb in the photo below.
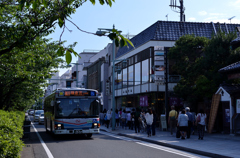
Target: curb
x,y
199,152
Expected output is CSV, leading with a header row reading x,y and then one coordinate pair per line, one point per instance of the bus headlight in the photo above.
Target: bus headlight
x,y
94,125
59,126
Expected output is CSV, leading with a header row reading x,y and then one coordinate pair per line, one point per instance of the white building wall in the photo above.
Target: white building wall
x,y
226,97
85,57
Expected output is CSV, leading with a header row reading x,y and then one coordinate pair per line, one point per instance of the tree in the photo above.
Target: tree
x,y
24,20
186,55
198,60
23,74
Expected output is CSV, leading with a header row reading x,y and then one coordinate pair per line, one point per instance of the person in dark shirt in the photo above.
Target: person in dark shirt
x,y
190,121
154,123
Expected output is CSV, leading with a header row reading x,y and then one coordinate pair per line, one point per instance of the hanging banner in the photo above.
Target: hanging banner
x,y
238,106
143,101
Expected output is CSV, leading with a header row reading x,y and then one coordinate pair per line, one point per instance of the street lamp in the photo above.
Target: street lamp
x,y
101,32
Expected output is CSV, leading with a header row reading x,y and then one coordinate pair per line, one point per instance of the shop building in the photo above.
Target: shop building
x,y
141,71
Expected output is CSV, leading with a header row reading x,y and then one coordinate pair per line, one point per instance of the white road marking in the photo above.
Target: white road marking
x,y
159,147
42,142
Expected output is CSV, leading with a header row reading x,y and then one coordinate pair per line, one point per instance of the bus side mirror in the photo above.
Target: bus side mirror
x,y
58,102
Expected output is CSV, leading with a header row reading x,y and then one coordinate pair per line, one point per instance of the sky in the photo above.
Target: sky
x,y
133,16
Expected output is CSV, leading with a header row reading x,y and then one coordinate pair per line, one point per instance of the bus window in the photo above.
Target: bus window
x,y
77,107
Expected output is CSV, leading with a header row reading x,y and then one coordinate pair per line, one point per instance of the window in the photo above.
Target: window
x,y
151,71
145,71
137,74
130,75
68,84
119,80
124,78
109,60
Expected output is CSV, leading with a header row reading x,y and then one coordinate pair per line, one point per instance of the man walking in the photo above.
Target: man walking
x,y
172,119
190,121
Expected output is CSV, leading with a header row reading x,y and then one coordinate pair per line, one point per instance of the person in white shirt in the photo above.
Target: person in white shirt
x,y
129,119
149,121
201,123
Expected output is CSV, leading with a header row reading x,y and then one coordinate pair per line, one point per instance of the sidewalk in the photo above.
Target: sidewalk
x,y
212,145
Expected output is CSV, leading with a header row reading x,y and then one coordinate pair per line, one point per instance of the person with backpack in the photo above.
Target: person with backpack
x,y
172,119
201,123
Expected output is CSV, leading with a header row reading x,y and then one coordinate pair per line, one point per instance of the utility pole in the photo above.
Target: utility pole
x,y
179,8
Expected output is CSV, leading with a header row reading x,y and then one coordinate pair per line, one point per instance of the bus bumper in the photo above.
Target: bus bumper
x,y
77,131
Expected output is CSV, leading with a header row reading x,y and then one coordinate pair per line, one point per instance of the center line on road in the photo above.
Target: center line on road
x,y
42,142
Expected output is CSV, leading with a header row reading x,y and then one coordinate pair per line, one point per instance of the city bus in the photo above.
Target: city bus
x,y
72,111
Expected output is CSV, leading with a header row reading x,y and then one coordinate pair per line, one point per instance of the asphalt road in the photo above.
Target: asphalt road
x,y
104,145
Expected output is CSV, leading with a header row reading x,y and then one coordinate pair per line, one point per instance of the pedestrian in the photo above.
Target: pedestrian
x,y
129,119
136,120
104,115
149,121
132,119
154,123
117,117
183,124
108,118
201,123
101,115
190,121
120,116
124,116
172,119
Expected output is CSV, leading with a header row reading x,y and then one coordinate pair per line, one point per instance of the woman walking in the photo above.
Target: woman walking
x,y
183,124
124,119
201,123
149,121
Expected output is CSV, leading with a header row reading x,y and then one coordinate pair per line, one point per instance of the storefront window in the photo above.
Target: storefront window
x,y
145,71
119,80
124,82
151,70
137,74
130,75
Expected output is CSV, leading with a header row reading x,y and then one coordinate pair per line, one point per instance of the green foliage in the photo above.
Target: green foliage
x,y
198,60
10,133
27,19
24,73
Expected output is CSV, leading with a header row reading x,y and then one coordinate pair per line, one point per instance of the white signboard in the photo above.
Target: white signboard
x,y
163,122
158,48
238,106
158,58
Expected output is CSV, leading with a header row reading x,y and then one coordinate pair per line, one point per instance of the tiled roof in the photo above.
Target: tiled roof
x,y
231,89
172,31
230,68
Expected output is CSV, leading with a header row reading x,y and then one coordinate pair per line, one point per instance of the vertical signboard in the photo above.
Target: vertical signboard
x,y
159,67
238,106
143,101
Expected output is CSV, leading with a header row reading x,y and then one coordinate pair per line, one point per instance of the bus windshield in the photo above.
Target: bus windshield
x,y
71,107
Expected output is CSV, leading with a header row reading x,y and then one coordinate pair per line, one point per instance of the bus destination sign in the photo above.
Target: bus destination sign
x,y
77,93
